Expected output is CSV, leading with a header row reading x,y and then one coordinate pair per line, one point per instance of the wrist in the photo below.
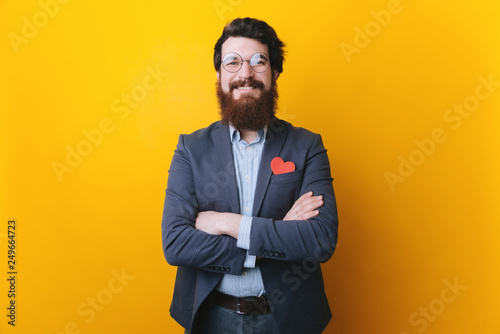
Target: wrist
x,y
231,225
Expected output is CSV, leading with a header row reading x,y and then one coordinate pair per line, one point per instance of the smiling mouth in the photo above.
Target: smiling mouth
x,y
247,85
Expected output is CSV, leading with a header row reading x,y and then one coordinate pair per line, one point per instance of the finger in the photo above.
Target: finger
x,y
305,196
299,201
302,201
309,204
310,214
202,216
203,213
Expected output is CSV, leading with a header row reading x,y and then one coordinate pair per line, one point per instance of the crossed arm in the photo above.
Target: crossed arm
x,y
205,239
218,223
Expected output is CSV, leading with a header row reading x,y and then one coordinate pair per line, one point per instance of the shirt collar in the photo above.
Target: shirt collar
x,y
234,134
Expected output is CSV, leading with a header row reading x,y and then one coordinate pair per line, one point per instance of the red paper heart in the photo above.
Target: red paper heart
x,y
278,166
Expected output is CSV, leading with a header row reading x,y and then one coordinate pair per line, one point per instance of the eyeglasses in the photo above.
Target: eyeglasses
x,y
259,62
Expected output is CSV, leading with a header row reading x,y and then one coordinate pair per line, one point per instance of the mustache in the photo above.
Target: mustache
x,y
247,82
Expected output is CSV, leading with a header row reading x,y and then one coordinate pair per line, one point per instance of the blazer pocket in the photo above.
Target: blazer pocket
x,y
282,192
287,177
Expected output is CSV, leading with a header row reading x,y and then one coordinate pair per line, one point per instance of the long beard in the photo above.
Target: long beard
x,y
248,112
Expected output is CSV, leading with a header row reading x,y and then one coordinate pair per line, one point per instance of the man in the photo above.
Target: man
x,y
249,209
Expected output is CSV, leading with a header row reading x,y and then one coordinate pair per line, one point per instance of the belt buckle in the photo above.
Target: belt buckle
x,y
238,307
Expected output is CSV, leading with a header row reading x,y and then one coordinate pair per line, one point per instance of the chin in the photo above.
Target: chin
x,y
246,99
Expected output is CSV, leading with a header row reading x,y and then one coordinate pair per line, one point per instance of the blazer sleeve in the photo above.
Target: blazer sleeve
x,y
183,244
296,240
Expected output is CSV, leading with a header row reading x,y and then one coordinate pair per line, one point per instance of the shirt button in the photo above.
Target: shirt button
x,y
249,148
247,177
247,210
244,273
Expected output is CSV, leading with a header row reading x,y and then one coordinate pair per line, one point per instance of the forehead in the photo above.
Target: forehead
x,y
245,47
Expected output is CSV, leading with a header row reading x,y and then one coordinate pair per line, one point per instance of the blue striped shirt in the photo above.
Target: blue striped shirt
x,y
246,163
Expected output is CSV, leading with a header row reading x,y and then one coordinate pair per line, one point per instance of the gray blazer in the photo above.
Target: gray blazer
x,y
202,178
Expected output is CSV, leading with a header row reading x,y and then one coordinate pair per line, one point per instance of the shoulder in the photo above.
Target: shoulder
x,y
202,135
203,132
293,133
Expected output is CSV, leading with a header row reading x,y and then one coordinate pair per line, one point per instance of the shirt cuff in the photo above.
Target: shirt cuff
x,y
244,240
244,233
250,261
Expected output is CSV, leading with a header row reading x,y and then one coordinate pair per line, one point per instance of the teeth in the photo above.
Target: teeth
x,y
245,87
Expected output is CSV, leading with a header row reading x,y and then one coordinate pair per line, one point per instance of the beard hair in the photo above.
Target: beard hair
x,y
248,112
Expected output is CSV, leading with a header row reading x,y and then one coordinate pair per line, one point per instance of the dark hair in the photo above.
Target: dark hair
x,y
255,29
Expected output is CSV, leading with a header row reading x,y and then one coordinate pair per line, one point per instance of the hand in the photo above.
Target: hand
x,y
218,223
305,207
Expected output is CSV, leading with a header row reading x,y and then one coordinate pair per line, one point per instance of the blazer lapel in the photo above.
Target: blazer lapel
x,y
275,139
222,144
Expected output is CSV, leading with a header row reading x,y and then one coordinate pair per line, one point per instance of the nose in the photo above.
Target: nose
x,y
245,70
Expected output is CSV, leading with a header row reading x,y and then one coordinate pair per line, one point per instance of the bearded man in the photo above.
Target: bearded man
x,y
249,210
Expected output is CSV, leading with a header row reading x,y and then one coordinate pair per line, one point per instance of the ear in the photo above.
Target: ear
x,y
276,74
218,75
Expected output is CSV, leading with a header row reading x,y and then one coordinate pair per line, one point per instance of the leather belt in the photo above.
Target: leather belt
x,y
242,305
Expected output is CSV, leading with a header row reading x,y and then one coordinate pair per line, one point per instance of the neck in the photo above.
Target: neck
x,y
248,135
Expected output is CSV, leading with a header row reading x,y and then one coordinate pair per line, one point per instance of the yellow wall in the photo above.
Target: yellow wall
x,y
373,89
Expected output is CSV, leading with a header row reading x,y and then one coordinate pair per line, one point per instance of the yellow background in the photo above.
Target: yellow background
x,y
397,247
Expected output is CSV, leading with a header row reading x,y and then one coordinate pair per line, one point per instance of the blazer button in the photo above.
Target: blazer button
x,y
282,255
228,269
211,267
265,252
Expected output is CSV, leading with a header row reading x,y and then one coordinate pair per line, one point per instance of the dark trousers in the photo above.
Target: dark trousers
x,y
214,319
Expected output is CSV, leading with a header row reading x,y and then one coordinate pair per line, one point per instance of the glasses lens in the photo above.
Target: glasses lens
x,y
259,62
232,62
